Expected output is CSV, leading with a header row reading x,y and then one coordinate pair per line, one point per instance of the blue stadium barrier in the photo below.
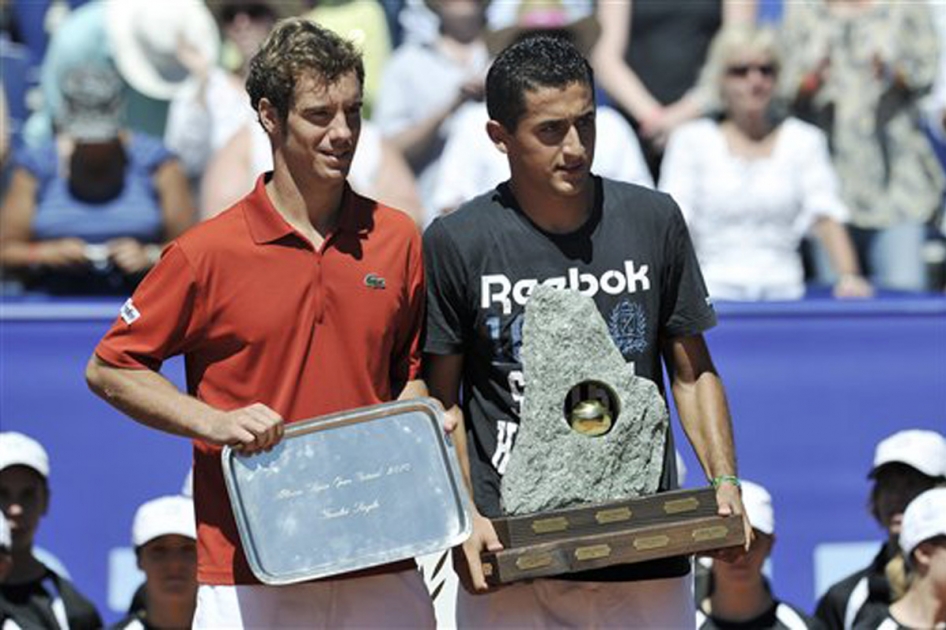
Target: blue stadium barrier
x,y
813,386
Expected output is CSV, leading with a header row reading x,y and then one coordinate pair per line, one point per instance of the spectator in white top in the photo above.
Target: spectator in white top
x,y
424,84
471,163
752,184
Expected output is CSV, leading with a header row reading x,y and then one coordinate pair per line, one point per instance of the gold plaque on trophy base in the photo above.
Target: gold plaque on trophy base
x,y
668,524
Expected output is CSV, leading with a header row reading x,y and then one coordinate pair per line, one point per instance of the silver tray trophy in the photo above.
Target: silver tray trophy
x,y
349,491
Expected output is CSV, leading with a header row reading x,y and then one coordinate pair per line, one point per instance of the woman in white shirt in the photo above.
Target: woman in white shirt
x,y
751,185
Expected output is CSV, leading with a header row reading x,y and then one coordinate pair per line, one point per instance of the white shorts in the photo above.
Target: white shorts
x,y
664,604
393,600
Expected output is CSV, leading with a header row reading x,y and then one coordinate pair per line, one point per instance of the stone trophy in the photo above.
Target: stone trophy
x,y
579,488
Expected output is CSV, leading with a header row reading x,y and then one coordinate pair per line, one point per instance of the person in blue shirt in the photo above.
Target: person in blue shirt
x,y
88,211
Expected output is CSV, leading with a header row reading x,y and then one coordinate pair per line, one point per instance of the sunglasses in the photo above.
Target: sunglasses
x,y
251,10
743,70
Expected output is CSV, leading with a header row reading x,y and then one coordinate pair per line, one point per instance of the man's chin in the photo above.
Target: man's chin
x,y
573,188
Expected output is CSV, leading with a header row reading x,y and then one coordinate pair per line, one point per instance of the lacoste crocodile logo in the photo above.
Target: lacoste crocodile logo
x,y
374,281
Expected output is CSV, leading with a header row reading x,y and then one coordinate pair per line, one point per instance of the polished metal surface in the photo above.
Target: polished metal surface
x,y
349,491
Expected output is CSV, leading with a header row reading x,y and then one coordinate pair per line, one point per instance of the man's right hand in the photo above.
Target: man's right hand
x,y
247,430
466,558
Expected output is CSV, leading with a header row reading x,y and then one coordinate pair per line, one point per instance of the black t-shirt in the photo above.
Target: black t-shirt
x,y
633,257
780,616
668,43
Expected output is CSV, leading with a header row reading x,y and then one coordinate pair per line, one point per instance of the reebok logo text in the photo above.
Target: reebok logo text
x,y
498,288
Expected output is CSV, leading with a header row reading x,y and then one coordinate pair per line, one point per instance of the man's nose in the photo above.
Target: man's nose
x,y
340,130
573,143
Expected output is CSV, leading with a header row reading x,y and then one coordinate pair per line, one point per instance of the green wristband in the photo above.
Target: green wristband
x,y
721,479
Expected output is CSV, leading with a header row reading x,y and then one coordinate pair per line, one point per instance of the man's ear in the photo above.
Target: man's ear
x,y
269,117
922,554
47,493
498,134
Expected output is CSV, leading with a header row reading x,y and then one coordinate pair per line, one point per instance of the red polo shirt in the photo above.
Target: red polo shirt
x,y
261,316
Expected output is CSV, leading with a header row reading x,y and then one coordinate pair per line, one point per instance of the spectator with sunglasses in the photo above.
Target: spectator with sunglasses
x,y
752,184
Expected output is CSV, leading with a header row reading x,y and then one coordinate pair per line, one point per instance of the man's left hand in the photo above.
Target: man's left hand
x,y
729,500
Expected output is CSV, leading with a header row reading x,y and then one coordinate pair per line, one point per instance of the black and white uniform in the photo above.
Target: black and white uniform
x,y
860,595
49,602
633,257
880,619
780,616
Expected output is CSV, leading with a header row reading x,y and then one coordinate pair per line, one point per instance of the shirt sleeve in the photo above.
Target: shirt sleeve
x,y
446,320
160,319
918,51
40,162
459,177
820,189
685,299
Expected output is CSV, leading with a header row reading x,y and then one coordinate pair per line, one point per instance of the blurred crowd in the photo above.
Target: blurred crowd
x,y
804,141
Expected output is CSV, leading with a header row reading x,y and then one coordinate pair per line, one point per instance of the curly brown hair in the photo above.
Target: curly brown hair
x,y
296,47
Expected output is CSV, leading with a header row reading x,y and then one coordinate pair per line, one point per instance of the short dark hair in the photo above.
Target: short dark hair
x,y
294,48
534,62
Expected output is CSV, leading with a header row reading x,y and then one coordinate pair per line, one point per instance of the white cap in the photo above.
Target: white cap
x,y
17,449
923,450
758,504
162,517
923,519
6,540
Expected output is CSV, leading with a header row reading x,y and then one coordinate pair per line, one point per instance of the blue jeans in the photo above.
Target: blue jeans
x,y
892,258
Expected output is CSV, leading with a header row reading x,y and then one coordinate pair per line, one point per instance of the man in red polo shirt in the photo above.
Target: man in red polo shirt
x,y
302,299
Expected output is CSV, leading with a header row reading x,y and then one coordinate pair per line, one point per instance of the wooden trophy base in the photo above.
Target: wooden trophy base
x,y
669,524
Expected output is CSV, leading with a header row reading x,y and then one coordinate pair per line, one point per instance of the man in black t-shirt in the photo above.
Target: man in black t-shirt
x,y
625,246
